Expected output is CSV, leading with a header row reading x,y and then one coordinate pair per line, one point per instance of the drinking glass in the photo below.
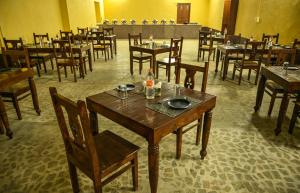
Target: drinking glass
x,y
123,91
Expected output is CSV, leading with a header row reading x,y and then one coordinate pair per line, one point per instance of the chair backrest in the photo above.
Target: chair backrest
x,y
13,44
254,49
81,38
82,31
296,45
62,49
108,30
16,58
175,49
134,39
77,134
40,38
64,35
205,37
234,39
268,38
190,71
98,38
204,28
281,55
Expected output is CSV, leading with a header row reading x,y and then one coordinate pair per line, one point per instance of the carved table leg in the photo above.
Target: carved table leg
x,y
282,111
4,119
225,67
153,166
260,92
205,135
34,95
94,122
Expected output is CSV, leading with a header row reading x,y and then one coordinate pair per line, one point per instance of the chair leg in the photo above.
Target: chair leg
x,y
198,134
241,75
257,74
199,55
94,56
293,119
249,74
233,72
74,177
38,70
51,61
75,78
168,72
157,70
134,171
44,64
178,143
17,107
97,187
273,97
58,73
105,55
140,66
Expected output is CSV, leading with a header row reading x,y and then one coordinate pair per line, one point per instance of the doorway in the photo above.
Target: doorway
x,y
183,13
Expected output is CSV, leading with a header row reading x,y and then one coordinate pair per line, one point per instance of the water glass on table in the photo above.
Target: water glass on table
x,y
123,91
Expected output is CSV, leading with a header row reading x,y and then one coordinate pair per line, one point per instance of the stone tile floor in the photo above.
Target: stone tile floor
x,y
243,153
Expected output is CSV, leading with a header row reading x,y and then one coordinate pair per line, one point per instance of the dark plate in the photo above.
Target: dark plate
x,y
129,87
179,103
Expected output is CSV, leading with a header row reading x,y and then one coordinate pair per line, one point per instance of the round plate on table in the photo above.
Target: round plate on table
x,y
179,103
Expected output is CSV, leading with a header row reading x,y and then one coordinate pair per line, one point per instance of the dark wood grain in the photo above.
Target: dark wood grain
x,y
102,157
133,114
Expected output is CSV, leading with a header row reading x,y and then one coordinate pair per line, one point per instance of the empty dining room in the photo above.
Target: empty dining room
x,y
156,96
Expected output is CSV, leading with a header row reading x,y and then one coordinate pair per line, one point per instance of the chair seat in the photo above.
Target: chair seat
x,y
141,56
41,55
17,88
274,86
206,47
100,46
247,64
112,150
165,61
235,56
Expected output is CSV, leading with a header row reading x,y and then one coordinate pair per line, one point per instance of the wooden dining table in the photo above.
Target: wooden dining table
x,y
9,77
289,80
133,114
148,48
77,48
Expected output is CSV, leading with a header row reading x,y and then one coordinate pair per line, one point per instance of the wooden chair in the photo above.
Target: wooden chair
x,y
138,57
65,35
296,113
189,82
268,38
173,59
64,58
42,39
109,31
83,31
99,44
205,44
16,92
251,60
296,45
101,157
80,39
13,44
272,88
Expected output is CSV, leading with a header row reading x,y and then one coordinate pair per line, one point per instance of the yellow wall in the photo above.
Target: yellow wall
x,y
154,9
97,12
276,16
215,13
81,13
20,18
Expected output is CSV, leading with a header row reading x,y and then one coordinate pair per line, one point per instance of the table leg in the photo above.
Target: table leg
x,y
282,111
34,95
1,126
153,166
131,62
225,67
115,44
205,135
217,60
90,59
154,65
94,122
111,48
4,119
260,92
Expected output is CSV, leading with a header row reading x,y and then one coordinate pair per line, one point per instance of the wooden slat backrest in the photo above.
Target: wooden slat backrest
x,y
268,38
191,70
281,55
175,49
137,39
13,44
16,58
40,38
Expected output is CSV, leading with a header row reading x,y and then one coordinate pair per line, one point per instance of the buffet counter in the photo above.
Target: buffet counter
x,y
188,31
